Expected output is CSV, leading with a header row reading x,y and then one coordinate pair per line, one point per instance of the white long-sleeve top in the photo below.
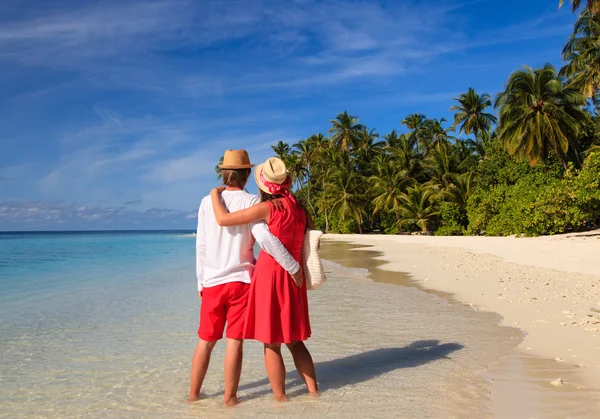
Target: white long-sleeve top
x,y
224,254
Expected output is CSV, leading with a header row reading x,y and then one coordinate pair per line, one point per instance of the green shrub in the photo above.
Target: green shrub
x,y
539,203
453,220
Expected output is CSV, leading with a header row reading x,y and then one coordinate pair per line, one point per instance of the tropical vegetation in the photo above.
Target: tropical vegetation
x,y
526,162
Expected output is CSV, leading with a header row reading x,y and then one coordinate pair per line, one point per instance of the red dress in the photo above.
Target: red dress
x,y
277,309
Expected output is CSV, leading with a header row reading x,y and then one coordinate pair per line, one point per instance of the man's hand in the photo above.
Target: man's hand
x,y
200,295
299,277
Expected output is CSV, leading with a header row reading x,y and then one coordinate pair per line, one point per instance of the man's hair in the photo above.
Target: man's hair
x,y
235,178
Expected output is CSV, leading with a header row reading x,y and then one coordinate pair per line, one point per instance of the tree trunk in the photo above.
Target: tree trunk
x,y
562,159
308,198
577,157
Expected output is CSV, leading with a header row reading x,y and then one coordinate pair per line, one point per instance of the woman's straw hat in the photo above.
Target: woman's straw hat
x,y
236,159
273,171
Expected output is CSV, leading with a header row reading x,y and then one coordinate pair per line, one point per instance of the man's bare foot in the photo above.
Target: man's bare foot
x,y
315,394
282,398
231,402
192,399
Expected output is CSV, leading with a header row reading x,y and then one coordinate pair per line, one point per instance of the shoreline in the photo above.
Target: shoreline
x,y
557,309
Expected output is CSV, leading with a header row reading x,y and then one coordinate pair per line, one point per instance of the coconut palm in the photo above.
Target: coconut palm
x,y
471,115
435,134
461,188
418,206
343,194
391,140
591,5
305,150
582,56
417,123
388,184
218,169
296,168
538,114
440,164
344,130
367,144
281,149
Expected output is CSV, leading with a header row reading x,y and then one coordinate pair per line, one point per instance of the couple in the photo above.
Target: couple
x,y
264,300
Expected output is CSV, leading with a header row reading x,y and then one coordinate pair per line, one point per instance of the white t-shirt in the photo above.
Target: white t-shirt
x,y
224,254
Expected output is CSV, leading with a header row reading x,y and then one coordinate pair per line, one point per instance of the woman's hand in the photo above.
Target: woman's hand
x,y
298,277
217,190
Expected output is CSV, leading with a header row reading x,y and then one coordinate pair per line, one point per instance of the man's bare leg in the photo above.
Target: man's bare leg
x,y
234,352
200,363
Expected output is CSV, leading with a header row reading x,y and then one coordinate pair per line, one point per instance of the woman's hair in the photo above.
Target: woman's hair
x,y
277,200
236,178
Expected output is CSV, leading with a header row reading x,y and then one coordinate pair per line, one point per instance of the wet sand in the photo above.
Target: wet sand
x,y
521,383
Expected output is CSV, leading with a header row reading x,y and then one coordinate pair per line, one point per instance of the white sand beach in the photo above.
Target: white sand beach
x,y
549,287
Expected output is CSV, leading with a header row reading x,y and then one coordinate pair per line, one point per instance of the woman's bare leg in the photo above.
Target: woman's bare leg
x,y
304,365
275,370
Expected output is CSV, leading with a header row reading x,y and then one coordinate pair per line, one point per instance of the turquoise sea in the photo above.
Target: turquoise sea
x,y
103,325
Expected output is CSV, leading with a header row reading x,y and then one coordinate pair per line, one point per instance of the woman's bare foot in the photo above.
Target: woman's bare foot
x,y
231,402
192,399
281,398
315,394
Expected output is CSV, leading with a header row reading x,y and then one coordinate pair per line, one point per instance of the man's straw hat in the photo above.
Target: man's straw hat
x,y
236,159
273,171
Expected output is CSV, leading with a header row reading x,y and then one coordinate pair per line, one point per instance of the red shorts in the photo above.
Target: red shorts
x,y
220,304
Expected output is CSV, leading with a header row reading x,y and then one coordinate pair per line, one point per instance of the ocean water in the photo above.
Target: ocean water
x,y
103,325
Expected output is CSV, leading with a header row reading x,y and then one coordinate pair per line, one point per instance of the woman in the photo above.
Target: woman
x,y
277,309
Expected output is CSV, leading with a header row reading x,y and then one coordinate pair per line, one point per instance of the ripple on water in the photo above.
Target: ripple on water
x,y
381,350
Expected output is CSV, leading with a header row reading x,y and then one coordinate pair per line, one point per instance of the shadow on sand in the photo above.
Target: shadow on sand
x,y
365,366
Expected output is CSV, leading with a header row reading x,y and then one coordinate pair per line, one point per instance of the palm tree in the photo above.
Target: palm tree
x,y
538,114
305,150
218,169
391,140
388,184
281,149
418,206
440,165
461,188
296,168
591,5
406,158
343,194
318,143
470,113
435,133
367,144
417,123
345,129
582,55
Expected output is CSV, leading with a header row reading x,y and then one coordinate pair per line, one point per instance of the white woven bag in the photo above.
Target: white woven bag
x,y
311,263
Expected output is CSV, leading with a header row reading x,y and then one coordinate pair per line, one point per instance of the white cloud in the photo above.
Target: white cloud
x,y
49,215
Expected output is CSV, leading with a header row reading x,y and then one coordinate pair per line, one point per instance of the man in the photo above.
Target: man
x,y
224,265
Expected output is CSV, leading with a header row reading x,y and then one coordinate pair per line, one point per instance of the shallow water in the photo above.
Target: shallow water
x,y
117,342
520,384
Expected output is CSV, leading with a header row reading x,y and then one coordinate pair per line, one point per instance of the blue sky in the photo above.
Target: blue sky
x,y
113,114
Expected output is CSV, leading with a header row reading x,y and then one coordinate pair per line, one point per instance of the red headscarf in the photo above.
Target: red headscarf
x,y
279,189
